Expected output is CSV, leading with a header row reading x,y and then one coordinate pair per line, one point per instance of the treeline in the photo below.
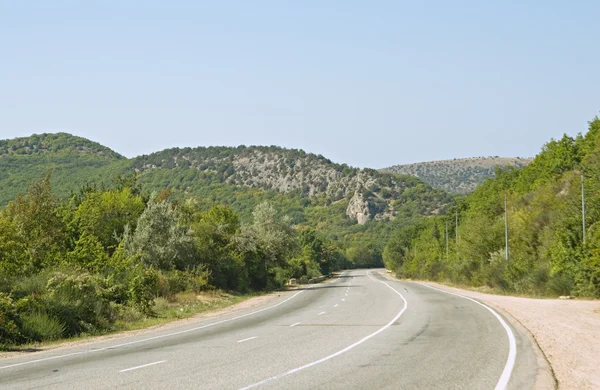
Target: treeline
x,y
80,264
548,254
54,143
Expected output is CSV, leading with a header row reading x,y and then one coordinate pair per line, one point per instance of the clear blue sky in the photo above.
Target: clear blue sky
x,y
369,83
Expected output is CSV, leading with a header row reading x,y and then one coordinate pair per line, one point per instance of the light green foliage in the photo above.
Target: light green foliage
x,y
160,240
273,234
265,247
104,214
38,224
12,248
547,253
89,253
362,256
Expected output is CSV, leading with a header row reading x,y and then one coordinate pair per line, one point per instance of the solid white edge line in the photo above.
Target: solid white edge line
x,y
340,352
150,338
143,366
248,339
512,344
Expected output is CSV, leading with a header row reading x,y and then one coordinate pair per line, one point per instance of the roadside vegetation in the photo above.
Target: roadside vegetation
x,y
108,259
547,251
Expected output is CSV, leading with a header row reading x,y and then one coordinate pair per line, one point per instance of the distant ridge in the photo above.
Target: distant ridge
x,y
458,176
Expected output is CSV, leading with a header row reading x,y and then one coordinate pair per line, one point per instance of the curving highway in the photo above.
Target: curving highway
x,y
359,331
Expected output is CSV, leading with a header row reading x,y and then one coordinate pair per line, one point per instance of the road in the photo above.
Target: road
x,y
359,331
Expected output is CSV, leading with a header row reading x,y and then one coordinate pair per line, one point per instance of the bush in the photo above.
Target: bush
x,y
9,331
144,287
173,282
40,327
561,284
79,301
33,285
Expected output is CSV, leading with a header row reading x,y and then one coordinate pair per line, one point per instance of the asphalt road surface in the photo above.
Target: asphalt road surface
x,y
358,331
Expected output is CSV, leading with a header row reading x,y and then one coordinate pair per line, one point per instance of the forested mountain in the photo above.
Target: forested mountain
x,y
459,176
339,200
366,193
547,250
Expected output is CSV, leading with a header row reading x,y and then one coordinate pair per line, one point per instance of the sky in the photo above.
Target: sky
x,y
367,83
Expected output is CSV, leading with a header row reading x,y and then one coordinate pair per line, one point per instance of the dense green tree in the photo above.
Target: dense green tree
x,y
38,223
104,214
214,235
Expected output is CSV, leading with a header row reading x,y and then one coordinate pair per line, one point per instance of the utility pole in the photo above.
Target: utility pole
x,y
446,239
456,231
583,205
506,224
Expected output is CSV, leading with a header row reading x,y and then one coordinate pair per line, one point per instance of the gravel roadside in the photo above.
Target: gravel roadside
x,y
567,331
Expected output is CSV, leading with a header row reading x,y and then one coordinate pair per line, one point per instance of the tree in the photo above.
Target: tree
x,y
105,215
12,249
38,223
89,253
214,235
266,245
159,240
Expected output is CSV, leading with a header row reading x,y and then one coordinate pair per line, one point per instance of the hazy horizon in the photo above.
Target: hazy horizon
x,y
368,85
307,151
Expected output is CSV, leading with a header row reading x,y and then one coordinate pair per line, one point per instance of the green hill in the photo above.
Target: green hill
x,y
342,201
74,162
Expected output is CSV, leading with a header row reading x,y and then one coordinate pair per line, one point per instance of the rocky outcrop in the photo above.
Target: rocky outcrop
x,y
370,195
358,209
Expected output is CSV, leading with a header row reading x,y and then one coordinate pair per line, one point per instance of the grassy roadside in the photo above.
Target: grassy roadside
x,y
179,307
490,290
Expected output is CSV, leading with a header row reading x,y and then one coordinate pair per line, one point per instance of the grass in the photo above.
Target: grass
x,y
179,306
485,289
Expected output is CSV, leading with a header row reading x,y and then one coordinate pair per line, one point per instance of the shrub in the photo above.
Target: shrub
x,y
144,288
9,331
561,284
33,285
79,301
40,326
